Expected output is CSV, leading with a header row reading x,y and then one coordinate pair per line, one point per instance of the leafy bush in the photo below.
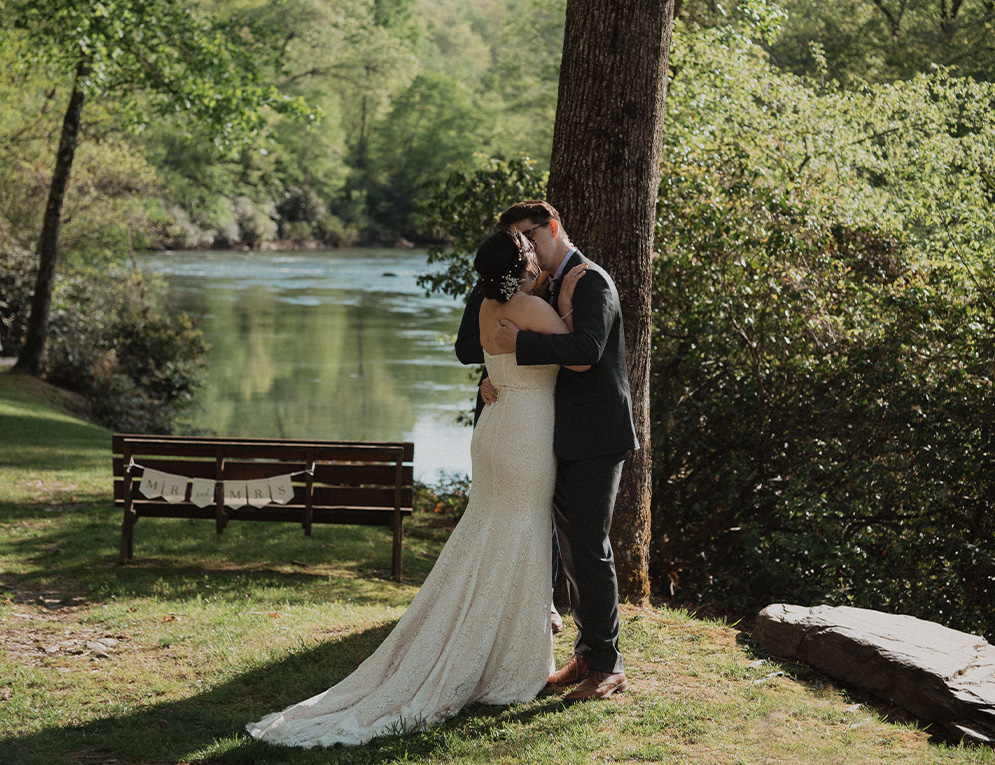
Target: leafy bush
x,y
109,341
464,210
18,267
822,371
446,497
822,414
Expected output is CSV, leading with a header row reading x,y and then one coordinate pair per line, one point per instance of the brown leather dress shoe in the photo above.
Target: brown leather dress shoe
x,y
598,685
555,619
571,672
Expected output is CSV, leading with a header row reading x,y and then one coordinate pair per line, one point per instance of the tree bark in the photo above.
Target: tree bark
x,y
29,359
604,180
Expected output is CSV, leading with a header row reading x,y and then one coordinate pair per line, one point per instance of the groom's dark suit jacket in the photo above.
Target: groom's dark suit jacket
x,y
593,408
468,347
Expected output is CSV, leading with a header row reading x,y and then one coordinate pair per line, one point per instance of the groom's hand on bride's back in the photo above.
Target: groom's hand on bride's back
x,y
506,336
488,392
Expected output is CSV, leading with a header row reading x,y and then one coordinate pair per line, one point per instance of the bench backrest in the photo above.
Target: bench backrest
x,y
327,474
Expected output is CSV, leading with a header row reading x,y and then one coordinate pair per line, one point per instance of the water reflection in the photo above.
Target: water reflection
x,y
340,344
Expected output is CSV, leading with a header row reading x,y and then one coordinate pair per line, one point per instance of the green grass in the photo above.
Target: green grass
x,y
203,633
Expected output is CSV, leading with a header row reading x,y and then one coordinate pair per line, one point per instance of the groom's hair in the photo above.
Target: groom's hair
x,y
537,210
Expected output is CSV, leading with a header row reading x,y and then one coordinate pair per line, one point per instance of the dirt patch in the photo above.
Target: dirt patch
x,y
32,643
43,622
60,600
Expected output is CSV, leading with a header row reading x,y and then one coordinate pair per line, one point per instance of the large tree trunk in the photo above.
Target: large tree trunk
x,y
604,180
29,359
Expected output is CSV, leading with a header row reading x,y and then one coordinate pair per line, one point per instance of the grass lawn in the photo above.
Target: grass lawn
x,y
166,659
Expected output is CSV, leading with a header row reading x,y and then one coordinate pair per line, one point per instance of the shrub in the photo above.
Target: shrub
x,y
108,340
447,497
464,210
18,270
825,339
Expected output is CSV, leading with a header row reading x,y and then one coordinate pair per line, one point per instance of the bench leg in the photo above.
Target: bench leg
x,y
127,537
397,549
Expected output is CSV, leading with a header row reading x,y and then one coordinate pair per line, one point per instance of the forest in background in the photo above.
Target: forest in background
x,y
401,92
823,293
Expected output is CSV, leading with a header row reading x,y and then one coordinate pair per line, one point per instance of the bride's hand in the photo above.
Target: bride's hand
x,y
565,301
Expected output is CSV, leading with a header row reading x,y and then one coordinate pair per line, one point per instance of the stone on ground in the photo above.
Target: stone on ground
x,y
938,674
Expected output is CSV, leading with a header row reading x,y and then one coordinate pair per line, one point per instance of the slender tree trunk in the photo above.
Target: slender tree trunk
x,y
604,179
29,359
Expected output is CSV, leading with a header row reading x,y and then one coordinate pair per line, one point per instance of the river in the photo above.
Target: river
x,y
339,344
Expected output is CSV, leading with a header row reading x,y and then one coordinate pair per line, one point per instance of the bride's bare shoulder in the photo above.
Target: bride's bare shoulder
x,y
532,312
524,302
527,299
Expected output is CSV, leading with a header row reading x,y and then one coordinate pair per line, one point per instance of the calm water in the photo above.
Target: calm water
x,y
333,345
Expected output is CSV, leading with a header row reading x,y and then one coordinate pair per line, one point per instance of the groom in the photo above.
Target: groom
x,y
593,433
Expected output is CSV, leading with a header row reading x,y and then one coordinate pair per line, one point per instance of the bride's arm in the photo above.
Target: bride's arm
x,y
565,303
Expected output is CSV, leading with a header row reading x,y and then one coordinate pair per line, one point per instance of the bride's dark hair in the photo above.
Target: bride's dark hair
x,y
501,260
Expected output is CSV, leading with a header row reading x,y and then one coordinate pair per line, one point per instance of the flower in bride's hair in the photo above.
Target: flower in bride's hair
x,y
509,285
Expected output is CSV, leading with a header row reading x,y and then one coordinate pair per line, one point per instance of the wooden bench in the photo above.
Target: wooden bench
x,y
346,482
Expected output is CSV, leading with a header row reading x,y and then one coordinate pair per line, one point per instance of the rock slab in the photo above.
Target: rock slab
x,y
938,674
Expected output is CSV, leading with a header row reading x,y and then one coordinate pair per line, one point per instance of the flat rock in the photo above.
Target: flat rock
x,y
938,674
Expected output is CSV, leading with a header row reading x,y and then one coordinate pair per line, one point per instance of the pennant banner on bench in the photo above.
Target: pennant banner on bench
x,y
174,490
281,489
202,491
152,483
258,492
155,483
235,493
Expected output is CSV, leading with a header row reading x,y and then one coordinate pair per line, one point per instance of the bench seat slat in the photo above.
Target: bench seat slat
x,y
360,516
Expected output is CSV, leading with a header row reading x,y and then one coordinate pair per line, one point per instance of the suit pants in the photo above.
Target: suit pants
x,y
583,503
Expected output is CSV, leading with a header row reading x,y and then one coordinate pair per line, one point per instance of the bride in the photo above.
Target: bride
x,y
478,630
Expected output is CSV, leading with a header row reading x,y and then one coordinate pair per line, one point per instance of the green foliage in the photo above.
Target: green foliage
x,y
398,93
164,56
886,41
432,125
138,368
448,496
17,275
823,362
524,80
464,210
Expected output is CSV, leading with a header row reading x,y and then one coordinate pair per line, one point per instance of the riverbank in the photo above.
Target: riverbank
x,y
165,660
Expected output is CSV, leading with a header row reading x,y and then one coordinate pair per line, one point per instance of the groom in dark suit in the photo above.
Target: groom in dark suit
x,y
593,433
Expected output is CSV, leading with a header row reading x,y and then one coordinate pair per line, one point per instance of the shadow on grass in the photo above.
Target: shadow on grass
x,y
76,546
210,727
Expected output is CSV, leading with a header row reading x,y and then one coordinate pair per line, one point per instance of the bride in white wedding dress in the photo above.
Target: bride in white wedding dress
x,y
478,631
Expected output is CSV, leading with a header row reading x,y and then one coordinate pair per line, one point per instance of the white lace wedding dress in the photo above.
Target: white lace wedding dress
x,y
478,630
